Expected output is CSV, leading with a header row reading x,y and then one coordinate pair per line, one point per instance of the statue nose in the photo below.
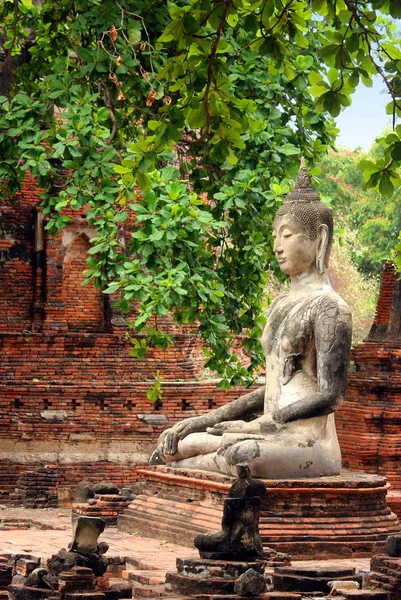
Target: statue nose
x,y
277,247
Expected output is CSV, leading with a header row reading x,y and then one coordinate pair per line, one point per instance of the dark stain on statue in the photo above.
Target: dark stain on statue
x,y
268,428
234,455
293,364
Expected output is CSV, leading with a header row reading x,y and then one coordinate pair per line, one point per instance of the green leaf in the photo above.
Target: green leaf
x,y
144,181
232,19
367,165
97,248
155,237
197,118
154,125
386,187
146,163
121,170
134,33
102,114
396,151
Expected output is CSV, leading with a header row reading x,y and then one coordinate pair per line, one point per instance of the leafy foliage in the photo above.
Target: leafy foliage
x,y
202,105
371,222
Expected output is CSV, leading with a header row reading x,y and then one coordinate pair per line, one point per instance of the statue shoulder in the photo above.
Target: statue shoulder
x,y
278,300
332,305
332,317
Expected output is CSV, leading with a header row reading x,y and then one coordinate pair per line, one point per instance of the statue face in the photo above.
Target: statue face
x,y
295,252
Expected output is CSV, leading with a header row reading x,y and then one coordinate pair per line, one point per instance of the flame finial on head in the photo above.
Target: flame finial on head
x,y
303,190
303,180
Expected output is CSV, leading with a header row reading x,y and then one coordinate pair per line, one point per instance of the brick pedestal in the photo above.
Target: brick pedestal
x,y
330,517
202,576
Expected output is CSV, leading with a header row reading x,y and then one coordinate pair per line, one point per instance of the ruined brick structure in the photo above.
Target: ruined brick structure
x,y
70,394
368,423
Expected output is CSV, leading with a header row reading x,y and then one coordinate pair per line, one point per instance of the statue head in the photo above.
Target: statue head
x,y
310,215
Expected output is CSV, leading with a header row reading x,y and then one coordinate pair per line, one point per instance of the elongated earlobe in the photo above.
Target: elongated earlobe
x,y
323,239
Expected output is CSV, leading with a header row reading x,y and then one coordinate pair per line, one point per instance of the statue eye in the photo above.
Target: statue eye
x,y
287,234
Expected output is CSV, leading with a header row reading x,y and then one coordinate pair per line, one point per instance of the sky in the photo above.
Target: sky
x,y
365,119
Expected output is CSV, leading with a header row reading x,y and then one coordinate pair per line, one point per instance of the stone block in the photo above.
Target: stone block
x,y
309,579
85,596
25,566
365,594
250,583
206,568
22,592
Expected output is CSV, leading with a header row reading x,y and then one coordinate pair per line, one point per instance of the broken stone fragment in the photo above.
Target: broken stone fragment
x,y
393,545
127,493
66,561
246,486
337,587
22,592
102,547
156,458
38,579
84,491
86,533
250,583
18,579
105,488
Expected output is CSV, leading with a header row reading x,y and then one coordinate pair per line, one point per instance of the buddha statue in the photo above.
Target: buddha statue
x,y
306,342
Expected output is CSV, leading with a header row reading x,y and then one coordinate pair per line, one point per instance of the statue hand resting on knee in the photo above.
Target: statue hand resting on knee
x,y
306,342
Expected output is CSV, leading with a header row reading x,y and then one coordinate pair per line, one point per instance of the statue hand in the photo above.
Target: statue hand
x,y
226,427
168,441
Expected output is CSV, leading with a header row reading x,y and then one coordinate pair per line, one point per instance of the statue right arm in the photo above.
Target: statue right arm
x,y
237,409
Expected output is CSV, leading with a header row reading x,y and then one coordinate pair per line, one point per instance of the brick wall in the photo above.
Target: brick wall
x,y
16,274
70,393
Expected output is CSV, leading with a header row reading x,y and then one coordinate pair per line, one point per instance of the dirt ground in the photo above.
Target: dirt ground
x,y
150,553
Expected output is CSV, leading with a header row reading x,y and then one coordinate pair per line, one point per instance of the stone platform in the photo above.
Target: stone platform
x,y
344,516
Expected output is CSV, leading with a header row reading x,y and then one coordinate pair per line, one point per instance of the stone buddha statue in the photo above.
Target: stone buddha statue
x,y
306,342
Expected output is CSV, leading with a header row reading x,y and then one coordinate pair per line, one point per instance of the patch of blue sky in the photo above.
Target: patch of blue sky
x,y
362,122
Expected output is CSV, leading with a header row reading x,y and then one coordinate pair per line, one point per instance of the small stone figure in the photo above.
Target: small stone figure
x,y
239,537
84,550
86,533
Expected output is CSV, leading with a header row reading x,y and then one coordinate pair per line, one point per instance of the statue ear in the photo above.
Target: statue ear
x,y
322,241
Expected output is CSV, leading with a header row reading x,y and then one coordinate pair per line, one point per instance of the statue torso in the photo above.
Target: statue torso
x,y
289,343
